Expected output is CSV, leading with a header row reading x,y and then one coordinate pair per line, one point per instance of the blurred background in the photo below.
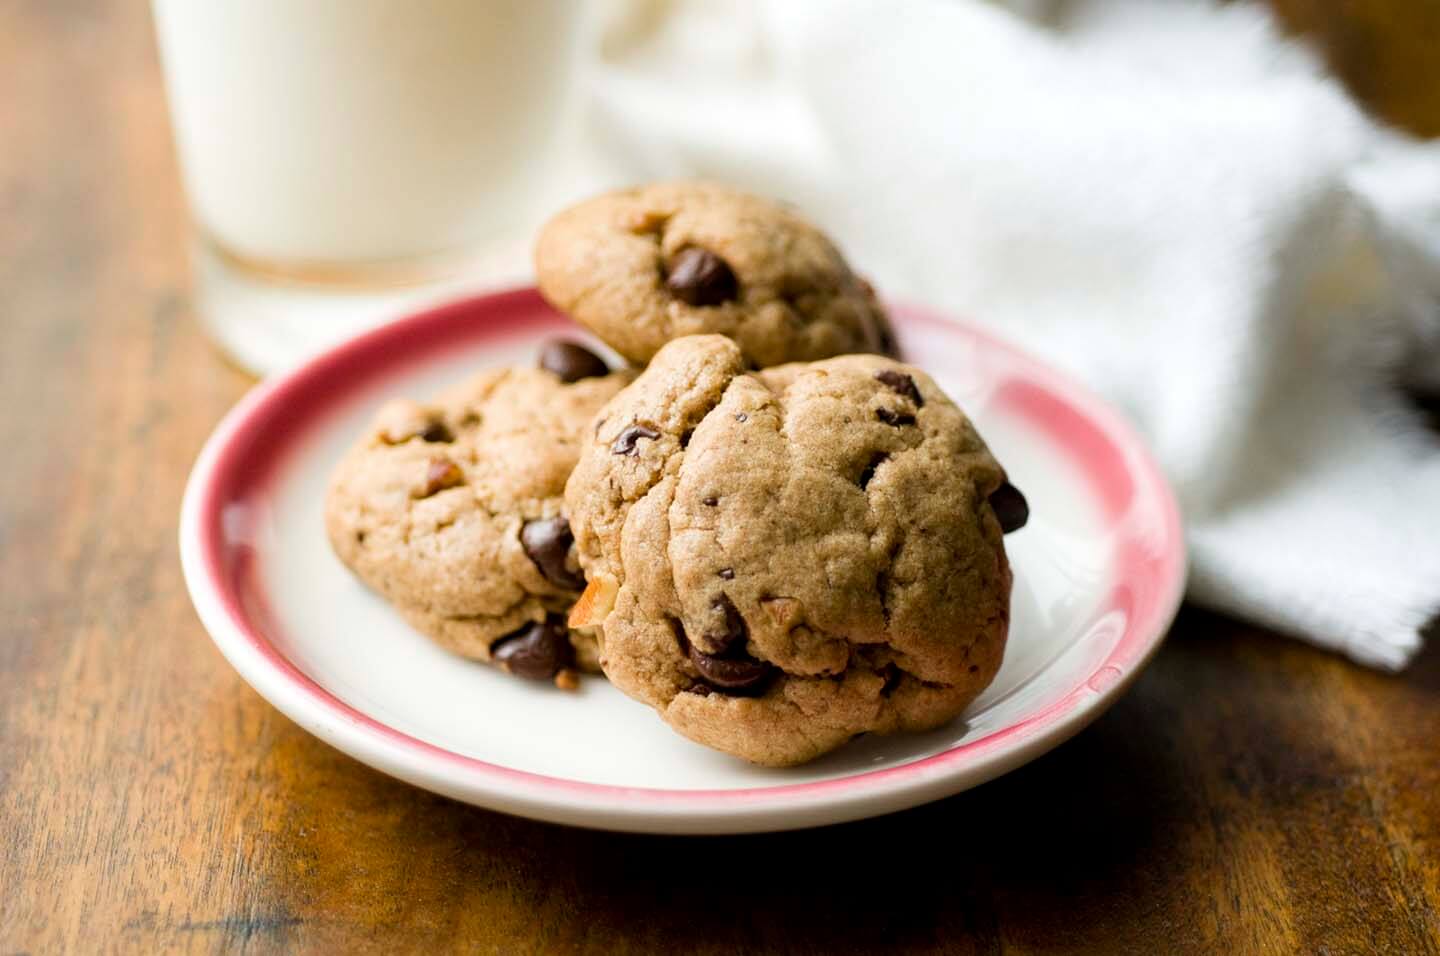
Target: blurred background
x,y
1253,793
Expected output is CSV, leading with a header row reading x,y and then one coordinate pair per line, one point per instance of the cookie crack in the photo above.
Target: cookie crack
x,y
885,578
580,301
520,601
893,672
680,473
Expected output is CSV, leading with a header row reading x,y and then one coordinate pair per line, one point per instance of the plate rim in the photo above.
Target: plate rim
x,y
646,809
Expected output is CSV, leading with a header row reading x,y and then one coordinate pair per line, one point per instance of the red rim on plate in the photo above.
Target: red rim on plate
x,y
1149,573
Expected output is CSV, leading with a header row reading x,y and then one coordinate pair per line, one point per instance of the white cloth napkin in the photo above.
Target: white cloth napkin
x,y
1166,199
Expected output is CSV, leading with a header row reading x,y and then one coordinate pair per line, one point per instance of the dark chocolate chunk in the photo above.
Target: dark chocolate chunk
x,y
570,362
699,277
1011,508
539,650
733,675
625,443
891,417
710,501
437,432
901,384
547,542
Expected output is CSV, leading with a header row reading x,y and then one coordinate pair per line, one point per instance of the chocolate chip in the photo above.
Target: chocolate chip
x,y
737,672
570,362
625,444
879,459
436,432
547,542
699,277
440,474
734,675
734,632
539,650
699,689
727,573
710,501
1011,508
901,384
892,417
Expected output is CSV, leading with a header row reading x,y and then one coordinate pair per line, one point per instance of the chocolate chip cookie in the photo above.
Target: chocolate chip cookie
x,y
642,266
452,511
780,560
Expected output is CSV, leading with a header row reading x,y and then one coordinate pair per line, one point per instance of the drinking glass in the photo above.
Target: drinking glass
x,y
345,159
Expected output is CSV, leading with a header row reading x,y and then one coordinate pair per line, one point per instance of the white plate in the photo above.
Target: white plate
x,y
1098,576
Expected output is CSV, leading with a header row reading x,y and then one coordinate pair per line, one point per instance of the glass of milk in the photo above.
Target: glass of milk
x,y
347,159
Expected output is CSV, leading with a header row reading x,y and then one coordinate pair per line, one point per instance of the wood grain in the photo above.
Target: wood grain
x,y
1386,51
1250,795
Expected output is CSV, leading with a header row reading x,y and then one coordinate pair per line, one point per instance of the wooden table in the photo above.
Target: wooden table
x,y
1249,796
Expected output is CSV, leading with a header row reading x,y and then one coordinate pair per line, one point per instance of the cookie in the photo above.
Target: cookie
x,y
781,560
453,511
642,266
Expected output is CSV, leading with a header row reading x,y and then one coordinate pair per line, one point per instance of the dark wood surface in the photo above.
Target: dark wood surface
x,y
1251,795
